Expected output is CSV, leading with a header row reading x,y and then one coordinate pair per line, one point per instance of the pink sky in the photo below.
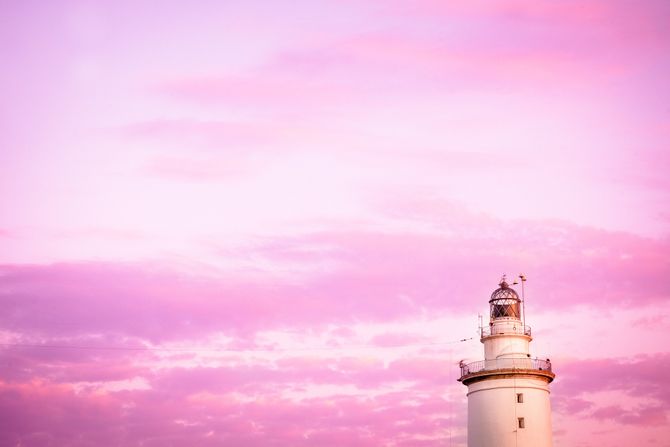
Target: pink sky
x,y
301,207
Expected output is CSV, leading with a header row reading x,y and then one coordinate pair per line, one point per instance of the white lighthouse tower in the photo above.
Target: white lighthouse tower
x,y
508,391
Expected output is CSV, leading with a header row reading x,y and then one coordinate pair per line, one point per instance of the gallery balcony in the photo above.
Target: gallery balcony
x,y
506,329
512,367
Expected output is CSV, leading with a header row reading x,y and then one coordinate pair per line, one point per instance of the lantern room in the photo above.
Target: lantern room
x,y
505,303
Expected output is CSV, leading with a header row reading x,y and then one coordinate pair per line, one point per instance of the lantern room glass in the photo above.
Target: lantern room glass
x,y
505,303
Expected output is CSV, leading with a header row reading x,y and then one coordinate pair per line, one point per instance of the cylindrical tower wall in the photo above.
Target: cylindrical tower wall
x,y
506,346
507,325
509,412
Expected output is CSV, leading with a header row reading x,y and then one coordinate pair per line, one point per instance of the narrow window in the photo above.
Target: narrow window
x,y
519,398
522,423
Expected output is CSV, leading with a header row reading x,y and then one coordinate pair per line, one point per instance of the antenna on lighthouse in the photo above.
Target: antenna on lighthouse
x,y
523,299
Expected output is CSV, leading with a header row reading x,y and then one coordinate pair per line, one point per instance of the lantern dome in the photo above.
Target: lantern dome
x,y
504,292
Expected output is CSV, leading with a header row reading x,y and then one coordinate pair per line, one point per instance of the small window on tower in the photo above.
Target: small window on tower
x,y
519,398
522,423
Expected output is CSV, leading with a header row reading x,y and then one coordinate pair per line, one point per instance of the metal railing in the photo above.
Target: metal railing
x,y
506,329
505,363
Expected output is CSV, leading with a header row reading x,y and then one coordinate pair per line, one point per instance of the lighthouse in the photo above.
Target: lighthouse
x,y
508,391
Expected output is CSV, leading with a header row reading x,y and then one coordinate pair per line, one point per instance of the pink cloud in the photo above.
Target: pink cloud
x,y
212,135
503,47
191,169
39,413
640,377
645,416
375,277
396,339
209,419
